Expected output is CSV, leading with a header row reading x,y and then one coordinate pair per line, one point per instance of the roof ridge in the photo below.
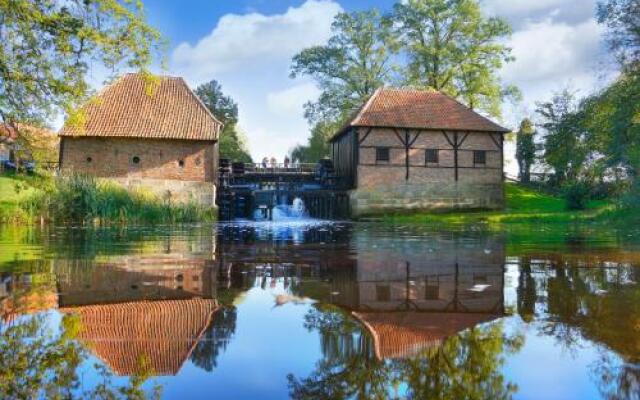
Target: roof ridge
x,y
367,104
201,103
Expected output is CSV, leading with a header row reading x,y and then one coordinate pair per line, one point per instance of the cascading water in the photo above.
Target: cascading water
x,y
284,211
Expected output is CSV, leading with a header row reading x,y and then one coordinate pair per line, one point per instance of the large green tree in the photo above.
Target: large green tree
x,y
350,67
622,19
452,47
47,47
317,146
225,109
565,150
525,149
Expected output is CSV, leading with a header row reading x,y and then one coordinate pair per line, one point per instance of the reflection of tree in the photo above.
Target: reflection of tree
x,y
464,366
36,363
215,339
601,305
349,367
526,292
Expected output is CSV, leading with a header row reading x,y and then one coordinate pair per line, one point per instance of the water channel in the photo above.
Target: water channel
x,y
305,309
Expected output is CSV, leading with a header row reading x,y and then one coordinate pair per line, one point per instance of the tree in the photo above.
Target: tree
x,y
350,67
225,109
318,144
564,147
612,121
525,149
453,48
622,18
47,47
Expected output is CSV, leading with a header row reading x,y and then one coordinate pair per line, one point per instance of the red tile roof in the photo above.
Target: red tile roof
x,y
136,107
406,333
419,109
162,332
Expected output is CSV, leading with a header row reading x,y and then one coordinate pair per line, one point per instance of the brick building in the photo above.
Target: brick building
x,y
410,149
146,132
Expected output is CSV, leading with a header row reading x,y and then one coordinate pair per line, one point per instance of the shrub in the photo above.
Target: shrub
x,y
81,199
576,194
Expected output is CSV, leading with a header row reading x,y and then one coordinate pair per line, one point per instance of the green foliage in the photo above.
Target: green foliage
x,y
39,363
47,48
225,109
453,48
350,67
576,194
565,150
622,19
81,199
318,144
525,149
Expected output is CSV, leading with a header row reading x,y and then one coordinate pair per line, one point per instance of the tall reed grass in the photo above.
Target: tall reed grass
x,y
84,200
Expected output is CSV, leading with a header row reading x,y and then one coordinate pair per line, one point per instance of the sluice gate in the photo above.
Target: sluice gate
x,y
268,192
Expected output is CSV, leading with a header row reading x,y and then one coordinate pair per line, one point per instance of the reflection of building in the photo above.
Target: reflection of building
x,y
135,278
157,334
141,311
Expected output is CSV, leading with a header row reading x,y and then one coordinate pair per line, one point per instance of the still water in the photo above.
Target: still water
x,y
313,310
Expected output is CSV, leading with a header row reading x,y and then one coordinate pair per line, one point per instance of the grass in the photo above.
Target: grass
x,y
523,205
83,200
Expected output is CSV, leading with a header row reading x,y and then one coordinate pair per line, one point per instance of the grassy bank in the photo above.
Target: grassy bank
x,y
524,206
82,200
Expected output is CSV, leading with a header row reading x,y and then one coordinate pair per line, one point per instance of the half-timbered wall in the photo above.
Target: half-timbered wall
x,y
407,181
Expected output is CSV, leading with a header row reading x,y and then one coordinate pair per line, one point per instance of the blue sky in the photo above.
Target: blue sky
x,y
247,46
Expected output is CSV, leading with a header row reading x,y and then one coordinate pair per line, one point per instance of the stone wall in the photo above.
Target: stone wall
x,y
384,186
186,160
175,170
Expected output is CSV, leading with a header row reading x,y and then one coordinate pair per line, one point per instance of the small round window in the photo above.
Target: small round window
x,y
181,163
198,161
89,159
136,160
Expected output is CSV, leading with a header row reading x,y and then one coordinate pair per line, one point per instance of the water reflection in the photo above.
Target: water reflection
x,y
317,310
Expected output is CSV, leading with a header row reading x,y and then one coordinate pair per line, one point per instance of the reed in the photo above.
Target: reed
x,y
84,200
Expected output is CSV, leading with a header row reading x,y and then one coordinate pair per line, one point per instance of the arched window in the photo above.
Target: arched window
x,y
135,160
181,163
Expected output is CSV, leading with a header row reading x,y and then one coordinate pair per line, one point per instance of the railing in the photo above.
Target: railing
x,y
278,168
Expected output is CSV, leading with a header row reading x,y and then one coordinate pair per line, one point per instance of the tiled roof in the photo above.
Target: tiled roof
x,y
162,332
405,334
136,107
419,109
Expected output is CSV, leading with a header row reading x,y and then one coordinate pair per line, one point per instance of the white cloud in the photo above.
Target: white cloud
x,y
290,101
519,7
553,51
239,41
250,56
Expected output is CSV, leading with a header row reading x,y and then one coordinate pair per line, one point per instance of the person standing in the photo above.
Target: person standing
x,y
286,162
265,161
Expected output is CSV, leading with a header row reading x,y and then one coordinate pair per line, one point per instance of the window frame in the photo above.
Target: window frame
x,y
435,152
478,159
383,149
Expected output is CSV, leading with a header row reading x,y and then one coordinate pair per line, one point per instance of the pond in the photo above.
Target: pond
x,y
319,310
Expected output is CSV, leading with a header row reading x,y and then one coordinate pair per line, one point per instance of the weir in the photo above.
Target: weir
x,y
277,192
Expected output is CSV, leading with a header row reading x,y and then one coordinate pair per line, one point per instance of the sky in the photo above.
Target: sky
x,y
247,45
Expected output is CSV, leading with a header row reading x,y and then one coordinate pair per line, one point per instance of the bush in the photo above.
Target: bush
x,y
576,194
81,199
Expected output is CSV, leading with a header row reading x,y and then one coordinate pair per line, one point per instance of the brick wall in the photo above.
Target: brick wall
x,y
383,186
180,170
159,159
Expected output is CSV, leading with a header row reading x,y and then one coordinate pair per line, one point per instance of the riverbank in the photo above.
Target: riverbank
x,y
83,200
524,206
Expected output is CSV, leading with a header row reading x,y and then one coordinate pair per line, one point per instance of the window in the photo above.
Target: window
x,y
382,154
431,156
135,160
89,159
431,289
479,157
181,163
198,161
383,293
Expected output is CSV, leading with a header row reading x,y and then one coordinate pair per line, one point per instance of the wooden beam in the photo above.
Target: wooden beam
x,y
360,141
399,137
497,143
